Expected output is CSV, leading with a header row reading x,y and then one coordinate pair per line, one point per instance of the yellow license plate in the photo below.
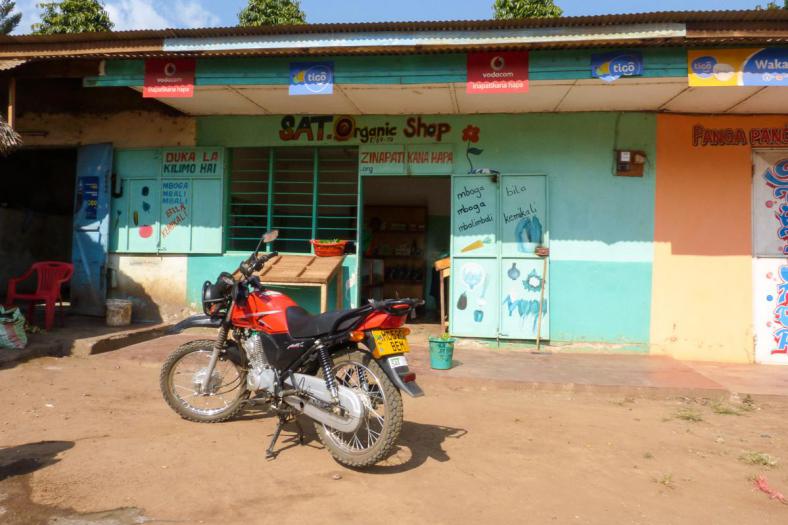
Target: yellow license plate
x,y
389,342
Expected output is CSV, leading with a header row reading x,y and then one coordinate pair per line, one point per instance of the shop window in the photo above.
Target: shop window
x,y
305,193
248,204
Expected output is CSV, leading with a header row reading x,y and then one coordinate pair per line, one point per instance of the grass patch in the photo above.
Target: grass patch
x,y
718,407
759,458
665,480
748,403
689,414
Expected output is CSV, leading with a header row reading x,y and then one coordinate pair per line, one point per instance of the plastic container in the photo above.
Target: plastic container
x,y
329,249
118,312
441,353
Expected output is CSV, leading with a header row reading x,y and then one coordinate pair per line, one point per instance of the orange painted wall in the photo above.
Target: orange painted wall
x,y
702,273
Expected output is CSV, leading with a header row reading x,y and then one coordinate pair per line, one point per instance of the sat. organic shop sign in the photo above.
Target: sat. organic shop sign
x,y
397,159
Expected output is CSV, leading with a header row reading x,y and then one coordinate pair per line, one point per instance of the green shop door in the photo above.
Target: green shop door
x,y
497,278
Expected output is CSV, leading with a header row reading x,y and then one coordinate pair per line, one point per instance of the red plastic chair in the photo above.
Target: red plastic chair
x,y
51,276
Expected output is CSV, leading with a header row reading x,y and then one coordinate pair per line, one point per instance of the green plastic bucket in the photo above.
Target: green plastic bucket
x,y
441,353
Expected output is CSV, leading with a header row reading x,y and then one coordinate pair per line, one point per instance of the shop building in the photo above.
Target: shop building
x,y
602,142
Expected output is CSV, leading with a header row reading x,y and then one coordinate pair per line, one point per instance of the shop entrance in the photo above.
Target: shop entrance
x,y
406,229
36,209
770,255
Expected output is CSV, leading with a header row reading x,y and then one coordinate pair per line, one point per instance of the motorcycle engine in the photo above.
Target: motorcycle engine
x,y
261,375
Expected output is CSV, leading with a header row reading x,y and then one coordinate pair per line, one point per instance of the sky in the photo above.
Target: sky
x,y
155,14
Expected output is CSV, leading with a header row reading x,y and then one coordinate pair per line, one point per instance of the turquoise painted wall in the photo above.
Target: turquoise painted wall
x,y
601,226
412,69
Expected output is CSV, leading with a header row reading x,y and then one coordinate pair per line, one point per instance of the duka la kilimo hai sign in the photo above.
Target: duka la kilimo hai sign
x,y
165,78
757,137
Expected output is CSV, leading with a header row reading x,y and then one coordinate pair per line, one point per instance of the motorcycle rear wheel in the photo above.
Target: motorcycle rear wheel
x,y
379,432
180,377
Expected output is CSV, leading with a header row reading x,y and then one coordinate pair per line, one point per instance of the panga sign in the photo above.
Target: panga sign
x,y
702,136
497,72
166,78
738,67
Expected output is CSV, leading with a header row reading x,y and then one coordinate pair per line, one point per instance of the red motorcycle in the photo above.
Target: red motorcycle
x,y
344,370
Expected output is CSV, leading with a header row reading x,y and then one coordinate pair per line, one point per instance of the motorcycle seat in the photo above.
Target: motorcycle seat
x,y
302,325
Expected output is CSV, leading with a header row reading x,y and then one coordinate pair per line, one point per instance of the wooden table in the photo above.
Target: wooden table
x,y
443,267
306,270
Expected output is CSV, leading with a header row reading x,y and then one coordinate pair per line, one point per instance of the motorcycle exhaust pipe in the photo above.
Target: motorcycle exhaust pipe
x,y
315,389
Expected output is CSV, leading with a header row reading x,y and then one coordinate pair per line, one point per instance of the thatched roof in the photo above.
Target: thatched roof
x,y
9,139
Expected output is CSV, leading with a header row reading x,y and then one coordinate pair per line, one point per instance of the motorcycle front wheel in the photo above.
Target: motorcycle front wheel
x,y
378,433
181,381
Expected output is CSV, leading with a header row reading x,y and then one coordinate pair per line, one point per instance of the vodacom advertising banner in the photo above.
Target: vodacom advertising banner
x,y
497,72
166,78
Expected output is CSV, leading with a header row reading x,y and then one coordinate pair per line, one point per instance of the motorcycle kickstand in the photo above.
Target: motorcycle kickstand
x,y
269,452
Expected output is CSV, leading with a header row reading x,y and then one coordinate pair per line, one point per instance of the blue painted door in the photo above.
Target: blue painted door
x,y
474,250
498,283
91,229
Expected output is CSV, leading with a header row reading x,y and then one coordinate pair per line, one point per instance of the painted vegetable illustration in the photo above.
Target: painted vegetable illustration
x,y
475,245
513,272
136,217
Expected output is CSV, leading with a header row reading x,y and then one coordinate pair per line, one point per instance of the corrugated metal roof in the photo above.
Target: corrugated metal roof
x,y
10,64
710,27
736,17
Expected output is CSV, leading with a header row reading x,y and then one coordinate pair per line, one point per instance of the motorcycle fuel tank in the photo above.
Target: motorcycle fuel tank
x,y
264,311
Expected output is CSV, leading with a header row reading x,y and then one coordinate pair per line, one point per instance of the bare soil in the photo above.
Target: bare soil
x,y
81,436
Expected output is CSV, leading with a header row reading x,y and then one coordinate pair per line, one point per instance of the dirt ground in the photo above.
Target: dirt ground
x,y
89,440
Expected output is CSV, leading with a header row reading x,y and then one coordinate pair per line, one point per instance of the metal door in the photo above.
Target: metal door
x,y
91,228
770,261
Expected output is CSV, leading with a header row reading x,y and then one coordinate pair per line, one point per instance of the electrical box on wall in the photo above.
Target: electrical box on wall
x,y
630,163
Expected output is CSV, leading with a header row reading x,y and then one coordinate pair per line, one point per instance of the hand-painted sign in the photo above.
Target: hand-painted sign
x,y
311,78
386,159
614,65
208,162
738,67
396,159
165,78
430,159
497,72
702,136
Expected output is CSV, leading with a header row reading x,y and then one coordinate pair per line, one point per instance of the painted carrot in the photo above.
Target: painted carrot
x,y
473,246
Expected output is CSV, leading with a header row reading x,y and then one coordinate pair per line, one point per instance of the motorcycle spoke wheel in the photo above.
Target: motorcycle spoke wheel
x,y
382,421
181,384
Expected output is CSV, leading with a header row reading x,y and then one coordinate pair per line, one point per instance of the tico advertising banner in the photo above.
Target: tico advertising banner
x,y
311,78
612,66
738,67
166,78
497,72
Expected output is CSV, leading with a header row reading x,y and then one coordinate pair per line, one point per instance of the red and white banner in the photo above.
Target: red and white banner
x,y
165,78
497,72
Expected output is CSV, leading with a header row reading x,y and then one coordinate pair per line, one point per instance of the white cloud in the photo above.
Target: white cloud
x,y
190,13
137,14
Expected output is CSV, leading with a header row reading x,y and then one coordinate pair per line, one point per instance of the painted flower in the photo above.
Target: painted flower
x,y
471,134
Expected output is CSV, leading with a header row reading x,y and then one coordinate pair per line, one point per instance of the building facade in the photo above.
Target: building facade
x,y
610,197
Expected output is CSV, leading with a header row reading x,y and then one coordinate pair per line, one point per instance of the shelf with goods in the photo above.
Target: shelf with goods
x,y
397,239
